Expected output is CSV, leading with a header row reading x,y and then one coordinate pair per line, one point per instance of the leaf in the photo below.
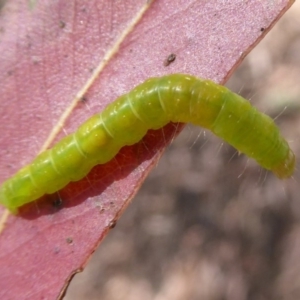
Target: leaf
x,y
55,49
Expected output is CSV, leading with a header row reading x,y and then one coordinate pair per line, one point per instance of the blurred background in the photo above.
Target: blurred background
x,y
208,223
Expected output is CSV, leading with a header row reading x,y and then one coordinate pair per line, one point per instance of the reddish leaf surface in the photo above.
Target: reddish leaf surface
x,y
49,51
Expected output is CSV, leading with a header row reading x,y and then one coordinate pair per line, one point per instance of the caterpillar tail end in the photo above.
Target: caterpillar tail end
x,y
287,167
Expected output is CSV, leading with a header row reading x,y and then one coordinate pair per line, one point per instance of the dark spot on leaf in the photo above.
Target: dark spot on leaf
x,y
112,224
62,24
169,59
69,240
83,99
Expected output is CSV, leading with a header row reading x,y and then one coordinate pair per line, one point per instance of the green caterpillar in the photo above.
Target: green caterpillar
x,y
151,105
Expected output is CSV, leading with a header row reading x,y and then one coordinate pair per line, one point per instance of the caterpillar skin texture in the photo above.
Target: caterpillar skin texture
x,y
151,105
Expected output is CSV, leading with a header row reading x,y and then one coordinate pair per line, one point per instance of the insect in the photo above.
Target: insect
x,y
151,105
